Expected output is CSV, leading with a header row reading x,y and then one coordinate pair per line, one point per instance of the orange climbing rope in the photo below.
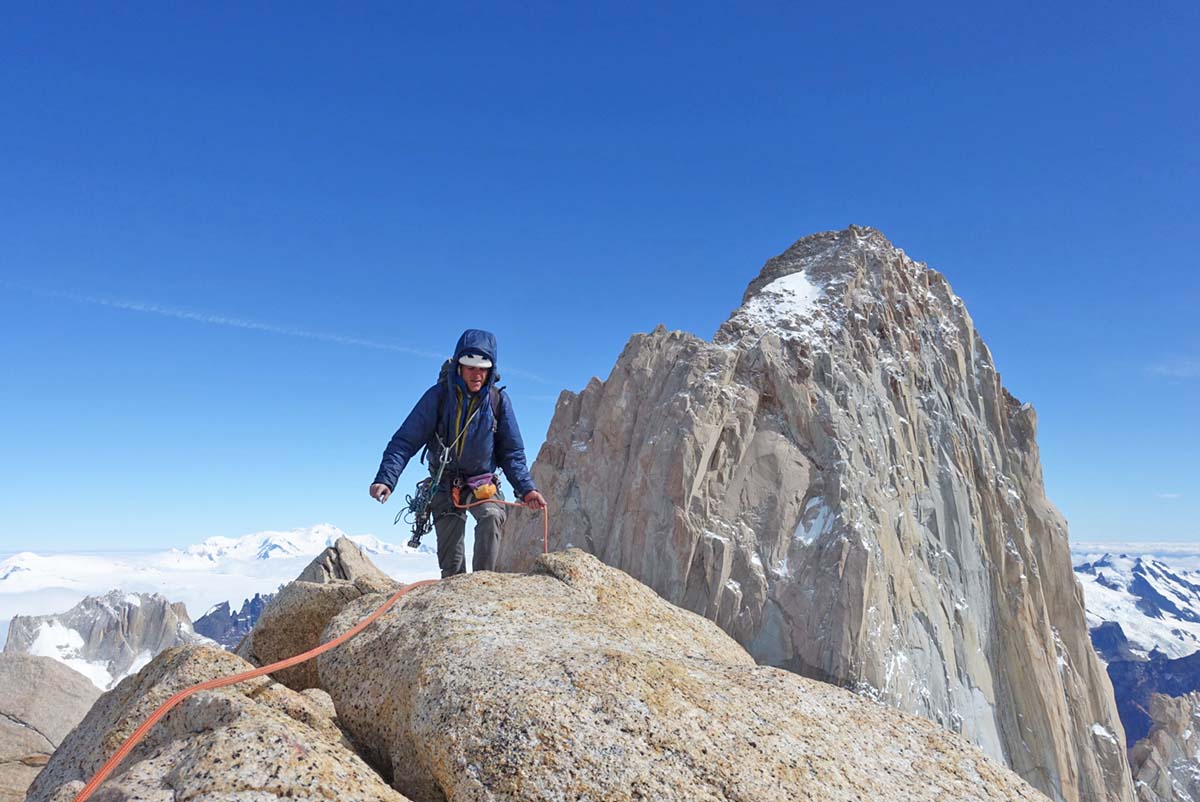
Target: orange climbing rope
x,y
454,496
220,682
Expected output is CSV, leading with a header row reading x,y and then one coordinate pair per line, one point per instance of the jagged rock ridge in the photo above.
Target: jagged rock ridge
x,y
105,638
575,682
227,627
840,481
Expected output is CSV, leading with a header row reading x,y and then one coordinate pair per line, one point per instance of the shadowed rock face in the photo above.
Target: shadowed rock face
x,y
1137,682
1112,646
577,682
40,701
1164,762
841,482
227,627
246,743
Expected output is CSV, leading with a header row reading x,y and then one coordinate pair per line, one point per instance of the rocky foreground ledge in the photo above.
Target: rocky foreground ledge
x,y
570,682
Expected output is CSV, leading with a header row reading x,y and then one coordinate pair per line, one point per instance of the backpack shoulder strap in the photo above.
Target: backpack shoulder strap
x,y
443,384
495,398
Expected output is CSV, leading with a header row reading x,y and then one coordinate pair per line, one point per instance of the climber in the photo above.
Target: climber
x,y
470,421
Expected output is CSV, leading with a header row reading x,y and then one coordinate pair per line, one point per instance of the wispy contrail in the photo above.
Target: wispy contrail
x,y
252,325
1177,368
239,323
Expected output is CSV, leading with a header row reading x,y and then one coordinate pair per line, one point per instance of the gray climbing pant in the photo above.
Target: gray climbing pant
x,y
451,526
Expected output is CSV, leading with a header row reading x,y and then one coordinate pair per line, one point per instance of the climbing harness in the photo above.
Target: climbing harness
x,y
416,512
483,486
220,682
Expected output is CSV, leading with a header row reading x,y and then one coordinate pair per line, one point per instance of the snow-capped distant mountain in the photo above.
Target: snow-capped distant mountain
x,y
202,576
1143,612
1156,606
28,571
276,545
105,638
14,567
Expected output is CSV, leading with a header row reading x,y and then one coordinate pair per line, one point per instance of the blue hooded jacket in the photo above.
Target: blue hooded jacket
x,y
489,441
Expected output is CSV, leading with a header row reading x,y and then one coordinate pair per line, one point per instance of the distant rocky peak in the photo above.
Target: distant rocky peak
x,y
8,570
841,481
828,259
107,637
117,599
227,627
1164,762
842,290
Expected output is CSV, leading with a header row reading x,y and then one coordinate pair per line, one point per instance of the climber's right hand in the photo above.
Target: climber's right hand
x,y
380,492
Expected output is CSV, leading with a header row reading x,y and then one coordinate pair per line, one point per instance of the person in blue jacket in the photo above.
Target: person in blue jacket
x,y
467,412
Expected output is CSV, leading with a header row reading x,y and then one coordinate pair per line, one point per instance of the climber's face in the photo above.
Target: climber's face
x,y
473,377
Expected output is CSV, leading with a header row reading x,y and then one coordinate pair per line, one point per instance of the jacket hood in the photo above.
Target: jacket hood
x,y
475,341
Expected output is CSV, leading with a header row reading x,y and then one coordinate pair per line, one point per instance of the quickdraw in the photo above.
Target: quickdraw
x,y
416,510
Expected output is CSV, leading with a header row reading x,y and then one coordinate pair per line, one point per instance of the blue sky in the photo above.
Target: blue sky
x,y
233,242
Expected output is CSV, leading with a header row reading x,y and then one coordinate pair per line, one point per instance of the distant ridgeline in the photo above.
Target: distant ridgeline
x,y
227,627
